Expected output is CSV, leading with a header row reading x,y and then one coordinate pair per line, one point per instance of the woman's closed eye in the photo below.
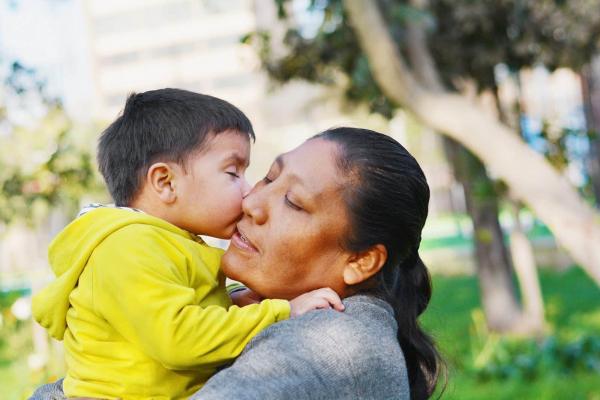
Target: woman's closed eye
x,y
233,174
292,205
270,177
266,180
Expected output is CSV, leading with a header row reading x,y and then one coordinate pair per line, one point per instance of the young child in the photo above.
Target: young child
x,y
140,300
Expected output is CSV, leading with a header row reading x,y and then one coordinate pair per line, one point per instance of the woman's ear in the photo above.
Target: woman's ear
x,y
364,265
161,181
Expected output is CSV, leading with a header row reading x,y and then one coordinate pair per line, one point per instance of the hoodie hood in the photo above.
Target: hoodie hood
x,y
69,253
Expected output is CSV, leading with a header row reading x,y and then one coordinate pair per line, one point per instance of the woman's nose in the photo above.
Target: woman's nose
x,y
253,206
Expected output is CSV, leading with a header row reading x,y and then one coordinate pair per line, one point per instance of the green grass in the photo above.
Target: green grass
x,y
573,311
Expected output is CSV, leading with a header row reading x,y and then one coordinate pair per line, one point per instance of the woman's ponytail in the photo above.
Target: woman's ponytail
x,y
387,203
422,358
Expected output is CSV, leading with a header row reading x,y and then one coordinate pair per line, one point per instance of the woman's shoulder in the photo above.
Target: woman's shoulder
x,y
50,391
365,311
366,328
363,314
322,354
362,341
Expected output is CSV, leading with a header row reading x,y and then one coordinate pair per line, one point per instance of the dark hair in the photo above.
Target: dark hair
x,y
160,125
387,200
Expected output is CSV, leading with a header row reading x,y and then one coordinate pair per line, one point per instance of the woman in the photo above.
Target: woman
x,y
345,210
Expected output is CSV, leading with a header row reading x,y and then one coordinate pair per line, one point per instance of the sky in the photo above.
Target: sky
x,y
50,36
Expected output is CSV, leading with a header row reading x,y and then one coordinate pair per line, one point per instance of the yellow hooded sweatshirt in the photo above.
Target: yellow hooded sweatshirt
x,y
142,308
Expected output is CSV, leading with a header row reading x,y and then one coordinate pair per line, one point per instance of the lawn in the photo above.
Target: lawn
x,y
567,367
573,312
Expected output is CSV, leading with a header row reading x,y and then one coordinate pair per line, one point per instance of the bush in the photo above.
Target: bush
x,y
530,359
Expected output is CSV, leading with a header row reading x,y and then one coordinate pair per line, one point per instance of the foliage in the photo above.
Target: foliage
x,y
17,380
471,37
14,340
321,59
467,39
45,159
498,357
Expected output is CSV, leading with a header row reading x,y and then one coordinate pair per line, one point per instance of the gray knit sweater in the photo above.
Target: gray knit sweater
x,y
322,354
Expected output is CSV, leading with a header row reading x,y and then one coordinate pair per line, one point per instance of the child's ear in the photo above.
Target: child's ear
x,y
364,265
161,182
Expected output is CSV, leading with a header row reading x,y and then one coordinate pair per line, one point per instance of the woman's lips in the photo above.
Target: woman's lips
x,y
242,243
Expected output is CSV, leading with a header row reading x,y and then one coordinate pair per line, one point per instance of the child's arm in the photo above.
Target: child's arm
x,y
244,297
241,296
141,287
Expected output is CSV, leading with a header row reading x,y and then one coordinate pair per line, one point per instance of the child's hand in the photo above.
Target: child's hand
x,y
246,297
317,299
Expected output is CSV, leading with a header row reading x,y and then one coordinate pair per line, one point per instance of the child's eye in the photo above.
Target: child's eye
x,y
267,180
233,174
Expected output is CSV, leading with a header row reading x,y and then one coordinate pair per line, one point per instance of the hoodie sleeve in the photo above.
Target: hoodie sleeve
x,y
141,287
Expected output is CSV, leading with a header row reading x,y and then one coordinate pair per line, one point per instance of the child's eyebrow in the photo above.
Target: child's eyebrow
x,y
238,158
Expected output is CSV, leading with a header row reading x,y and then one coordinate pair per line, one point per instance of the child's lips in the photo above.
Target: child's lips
x,y
242,242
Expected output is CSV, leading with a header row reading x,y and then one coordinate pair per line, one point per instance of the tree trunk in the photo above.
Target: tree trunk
x,y
521,249
496,287
590,84
531,178
532,321
497,290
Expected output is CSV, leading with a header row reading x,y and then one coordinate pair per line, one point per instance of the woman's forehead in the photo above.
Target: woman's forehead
x,y
313,165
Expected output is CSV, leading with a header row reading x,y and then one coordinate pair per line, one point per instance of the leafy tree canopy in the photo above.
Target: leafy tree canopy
x,y
467,38
45,159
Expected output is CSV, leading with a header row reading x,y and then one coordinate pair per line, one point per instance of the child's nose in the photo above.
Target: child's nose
x,y
246,188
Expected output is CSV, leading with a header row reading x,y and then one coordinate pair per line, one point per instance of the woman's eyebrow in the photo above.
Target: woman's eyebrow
x,y
279,161
293,177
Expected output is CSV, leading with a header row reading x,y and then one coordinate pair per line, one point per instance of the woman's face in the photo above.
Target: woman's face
x,y
289,238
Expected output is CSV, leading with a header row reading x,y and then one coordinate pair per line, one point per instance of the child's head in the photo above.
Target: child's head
x,y
180,156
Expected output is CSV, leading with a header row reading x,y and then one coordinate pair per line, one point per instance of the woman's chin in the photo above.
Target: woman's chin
x,y
236,266
233,263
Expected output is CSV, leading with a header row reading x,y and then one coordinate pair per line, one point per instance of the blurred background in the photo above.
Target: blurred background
x,y
499,101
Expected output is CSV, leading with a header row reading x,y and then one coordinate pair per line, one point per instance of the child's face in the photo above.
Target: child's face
x,y
210,194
